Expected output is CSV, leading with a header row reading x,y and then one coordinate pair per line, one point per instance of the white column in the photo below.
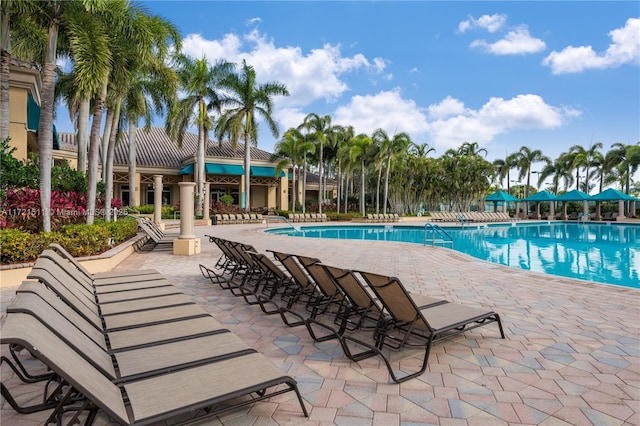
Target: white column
x,y
157,199
186,244
206,213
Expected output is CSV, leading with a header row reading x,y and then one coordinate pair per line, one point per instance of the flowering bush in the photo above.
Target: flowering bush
x,y
20,208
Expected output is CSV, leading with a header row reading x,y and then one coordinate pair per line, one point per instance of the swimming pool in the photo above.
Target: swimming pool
x,y
600,252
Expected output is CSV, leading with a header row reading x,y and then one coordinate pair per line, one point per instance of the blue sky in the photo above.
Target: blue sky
x,y
547,75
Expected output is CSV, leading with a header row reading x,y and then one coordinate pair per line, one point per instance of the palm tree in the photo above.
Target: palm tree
x,y
247,99
199,82
292,151
67,18
340,140
585,159
391,149
319,128
625,158
152,89
360,146
525,159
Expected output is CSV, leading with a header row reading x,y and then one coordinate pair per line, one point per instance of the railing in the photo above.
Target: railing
x,y
438,235
281,218
582,217
462,219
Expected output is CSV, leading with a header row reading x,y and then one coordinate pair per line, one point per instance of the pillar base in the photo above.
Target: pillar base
x,y
186,246
620,218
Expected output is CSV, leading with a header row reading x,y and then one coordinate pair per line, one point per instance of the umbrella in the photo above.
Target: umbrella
x,y
574,195
541,196
613,195
500,195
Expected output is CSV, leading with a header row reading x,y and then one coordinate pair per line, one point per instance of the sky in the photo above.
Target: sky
x,y
505,74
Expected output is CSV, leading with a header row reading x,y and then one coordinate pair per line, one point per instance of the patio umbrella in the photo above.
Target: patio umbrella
x,y
574,195
501,196
542,196
612,195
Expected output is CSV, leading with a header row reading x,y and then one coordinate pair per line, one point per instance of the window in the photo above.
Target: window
x,y
166,195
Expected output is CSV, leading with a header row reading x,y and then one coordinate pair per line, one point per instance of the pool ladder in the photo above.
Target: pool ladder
x,y
281,218
438,236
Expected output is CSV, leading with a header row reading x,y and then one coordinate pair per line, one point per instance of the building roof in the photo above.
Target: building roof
x,y
156,149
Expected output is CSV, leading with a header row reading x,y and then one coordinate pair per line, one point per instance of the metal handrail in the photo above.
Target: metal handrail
x,y
445,238
281,218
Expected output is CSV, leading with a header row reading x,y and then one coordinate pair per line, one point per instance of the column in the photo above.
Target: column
x,y
186,244
206,212
620,210
157,199
585,210
552,210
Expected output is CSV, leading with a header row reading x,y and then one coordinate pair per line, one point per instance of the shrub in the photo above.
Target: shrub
x,y
121,230
146,209
86,240
17,246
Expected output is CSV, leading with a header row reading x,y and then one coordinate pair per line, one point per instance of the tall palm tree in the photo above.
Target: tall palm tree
x,y
340,140
151,90
527,157
585,159
391,148
360,146
319,128
246,99
66,19
624,158
292,151
200,83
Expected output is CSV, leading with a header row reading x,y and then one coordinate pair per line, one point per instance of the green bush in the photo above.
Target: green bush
x,y
343,217
121,230
86,240
17,246
146,209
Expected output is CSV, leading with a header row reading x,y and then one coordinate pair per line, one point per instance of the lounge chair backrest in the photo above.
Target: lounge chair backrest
x,y
87,310
94,353
292,266
65,254
395,298
351,287
27,331
267,265
319,275
51,257
33,290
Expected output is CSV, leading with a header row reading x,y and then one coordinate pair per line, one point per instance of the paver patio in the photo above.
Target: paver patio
x,y
571,355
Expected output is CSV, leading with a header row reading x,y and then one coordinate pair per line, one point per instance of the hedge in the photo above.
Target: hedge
x,y
78,239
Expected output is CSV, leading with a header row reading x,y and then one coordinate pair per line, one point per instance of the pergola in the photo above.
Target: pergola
x,y
543,196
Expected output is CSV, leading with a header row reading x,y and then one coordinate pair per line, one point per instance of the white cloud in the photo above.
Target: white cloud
x,y
252,21
386,110
491,23
624,49
309,77
516,42
454,124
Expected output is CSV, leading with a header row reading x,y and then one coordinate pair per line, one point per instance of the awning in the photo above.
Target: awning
x,y
215,169
224,169
33,120
263,171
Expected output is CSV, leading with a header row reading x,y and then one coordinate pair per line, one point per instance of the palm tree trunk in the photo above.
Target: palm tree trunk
x,y
378,190
45,126
362,212
82,136
94,154
303,198
346,193
133,193
293,187
5,59
320,188
339,193
200,175
247,172
386,187
106,135
108,190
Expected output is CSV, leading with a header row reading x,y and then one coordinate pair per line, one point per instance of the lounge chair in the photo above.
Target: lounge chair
x,y
196,391
408,322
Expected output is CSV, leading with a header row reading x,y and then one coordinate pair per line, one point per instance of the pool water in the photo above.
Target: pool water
x,y
604,253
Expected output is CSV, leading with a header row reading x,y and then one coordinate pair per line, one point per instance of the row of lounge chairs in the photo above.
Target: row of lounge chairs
x,y
467,217
158,239
307,217
225,219
382,217
369,314
127,344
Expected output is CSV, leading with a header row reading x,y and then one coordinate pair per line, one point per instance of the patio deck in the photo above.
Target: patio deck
x,y
571,356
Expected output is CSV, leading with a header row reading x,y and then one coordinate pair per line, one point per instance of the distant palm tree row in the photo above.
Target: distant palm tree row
x,y
412,180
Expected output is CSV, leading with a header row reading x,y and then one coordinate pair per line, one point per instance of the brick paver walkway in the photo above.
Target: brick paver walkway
x,y
571,356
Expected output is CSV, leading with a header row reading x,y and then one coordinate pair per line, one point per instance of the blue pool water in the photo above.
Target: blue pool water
x,y
603,253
